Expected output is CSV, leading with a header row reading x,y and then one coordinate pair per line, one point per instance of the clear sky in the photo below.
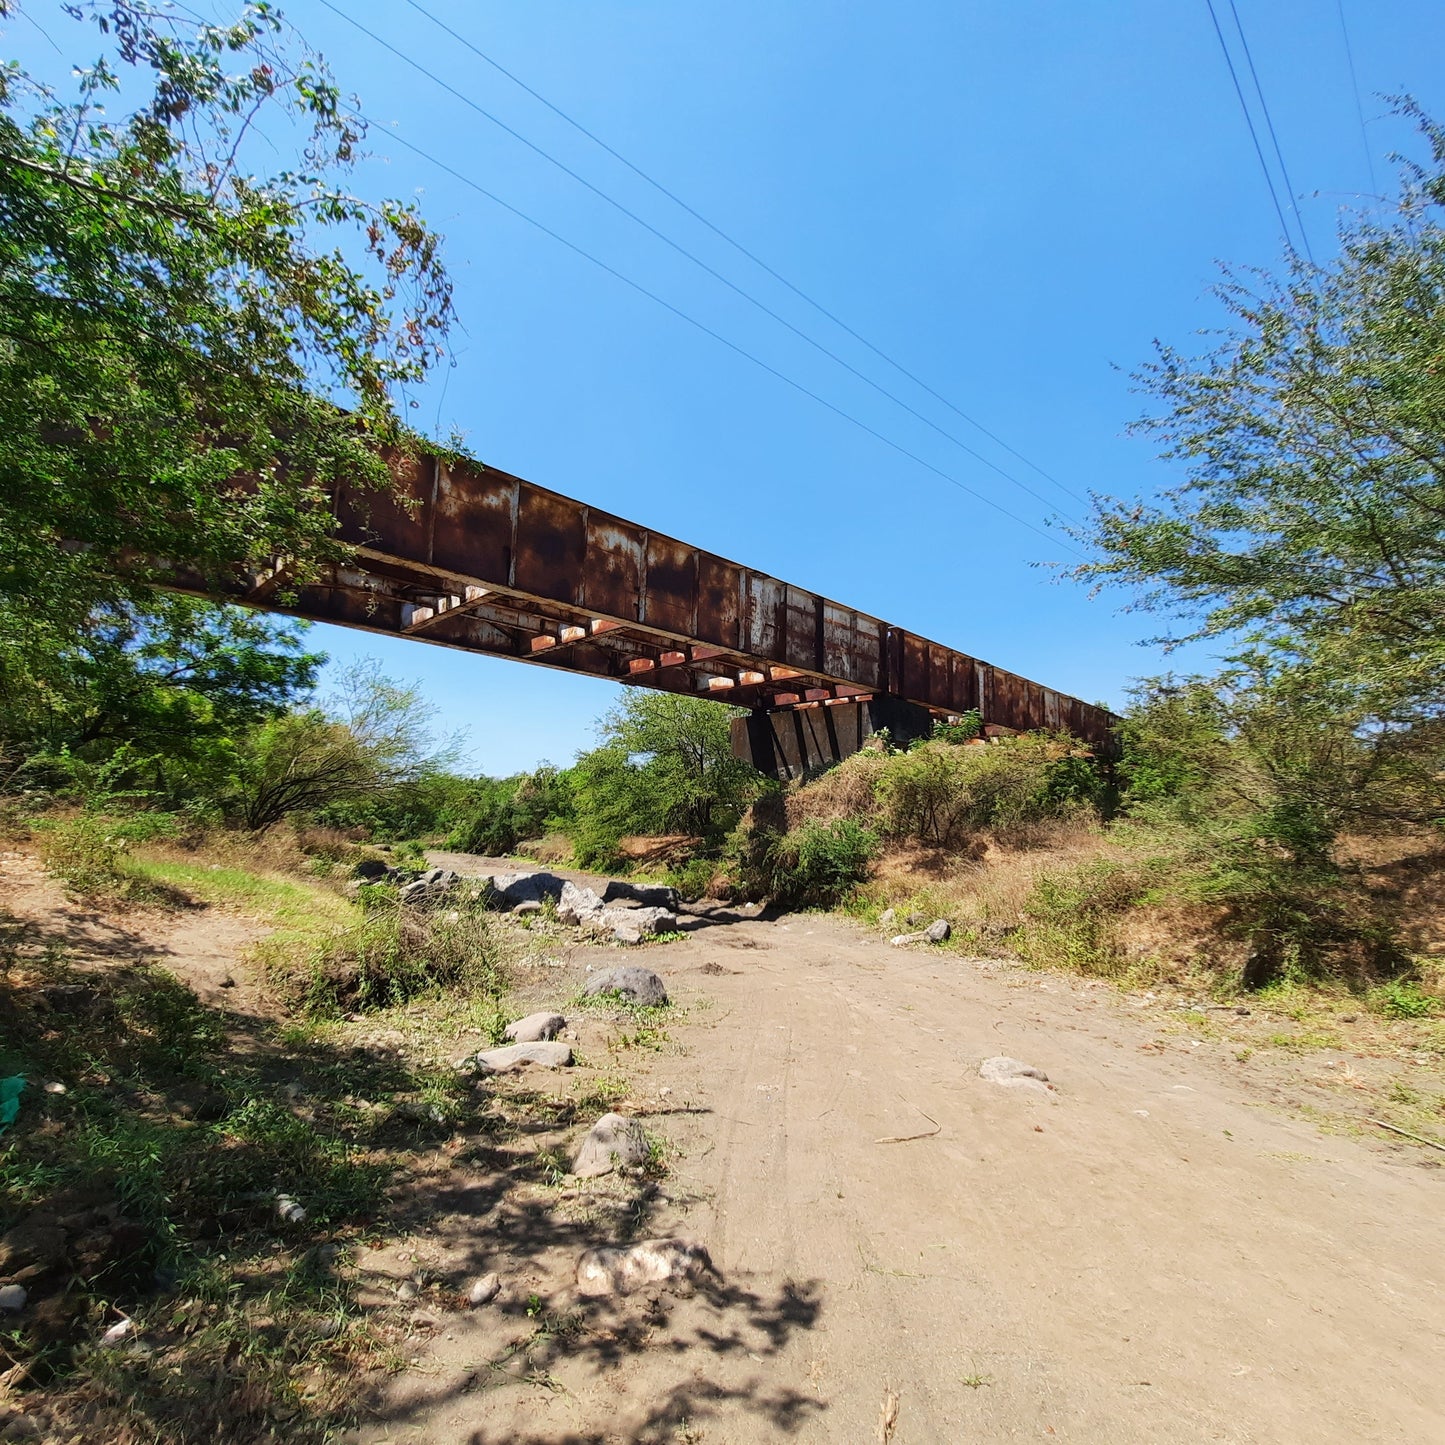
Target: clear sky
x,y
1013,199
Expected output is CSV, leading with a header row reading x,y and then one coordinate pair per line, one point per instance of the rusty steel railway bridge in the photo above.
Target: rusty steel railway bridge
x,y
465,556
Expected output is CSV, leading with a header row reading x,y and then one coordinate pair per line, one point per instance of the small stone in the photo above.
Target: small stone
x,y
407,1291
1013,1074
20,1427
654,1261
613,1142
117,1334
938,931
535,1028
886,918
484,1291
12,1298
527,909
288,1211
228,982
514,1056
636,985
54,1088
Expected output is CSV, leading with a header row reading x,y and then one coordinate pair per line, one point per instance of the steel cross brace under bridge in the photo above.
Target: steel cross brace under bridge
x,y
465,556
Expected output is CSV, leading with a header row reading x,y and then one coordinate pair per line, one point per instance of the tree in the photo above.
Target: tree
x,y
665,765
157,677
372,736
1310,531
192,352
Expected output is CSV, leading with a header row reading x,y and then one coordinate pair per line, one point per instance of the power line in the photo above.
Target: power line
x,y
689,255
1274,139
739,247
719,337
1355,90
1249,121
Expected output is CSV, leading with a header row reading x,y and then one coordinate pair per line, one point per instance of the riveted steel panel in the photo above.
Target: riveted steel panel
x,y
670,600
616,558
475,526
551,545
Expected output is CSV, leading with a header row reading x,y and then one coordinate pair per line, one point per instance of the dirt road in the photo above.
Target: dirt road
x,y
1152,1253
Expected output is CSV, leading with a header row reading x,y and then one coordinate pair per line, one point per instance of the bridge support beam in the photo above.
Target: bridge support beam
x,y
798,742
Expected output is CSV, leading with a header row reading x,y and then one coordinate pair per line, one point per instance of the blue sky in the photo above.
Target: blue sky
x,y
1012,199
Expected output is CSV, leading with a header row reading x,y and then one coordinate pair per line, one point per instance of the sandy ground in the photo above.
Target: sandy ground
x,y
1152,1252
1159,1250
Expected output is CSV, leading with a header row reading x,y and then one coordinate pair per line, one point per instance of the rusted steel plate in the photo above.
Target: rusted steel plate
x,y
720,602
397,521
475,523
616,560
670,597
551,545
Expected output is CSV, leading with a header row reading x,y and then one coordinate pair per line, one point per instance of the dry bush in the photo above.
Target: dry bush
x,y
395,952
847,791
553,848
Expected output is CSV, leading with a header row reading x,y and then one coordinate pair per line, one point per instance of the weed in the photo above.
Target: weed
x,y
1403,999
976,1382
91,854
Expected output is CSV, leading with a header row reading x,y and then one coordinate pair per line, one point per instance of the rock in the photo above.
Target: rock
x,y
118,1333
576,904
484,1291
934,933
518,888
514,1056
535,1028
12,1299
654,1261
371,869
407,1291
612,1142
524,910
288,1211
21,1427
1013,1074
228,982
636,925
886,917
636,985
651,895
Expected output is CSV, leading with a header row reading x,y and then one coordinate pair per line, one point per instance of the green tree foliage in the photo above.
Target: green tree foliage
x,y
192,349
1308,530
170,686
665,766
374,736
495,814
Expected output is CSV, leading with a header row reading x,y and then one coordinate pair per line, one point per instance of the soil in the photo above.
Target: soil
x,y
1163,1246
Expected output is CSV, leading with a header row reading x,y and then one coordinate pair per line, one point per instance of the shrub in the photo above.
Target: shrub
x,y
818,864
938,793
1071,916
393,953
1403,998
90,852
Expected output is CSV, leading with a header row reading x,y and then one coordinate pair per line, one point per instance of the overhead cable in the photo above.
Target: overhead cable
x,y
739,247
1253,134
717,336
1274,139
1355,91
689,255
